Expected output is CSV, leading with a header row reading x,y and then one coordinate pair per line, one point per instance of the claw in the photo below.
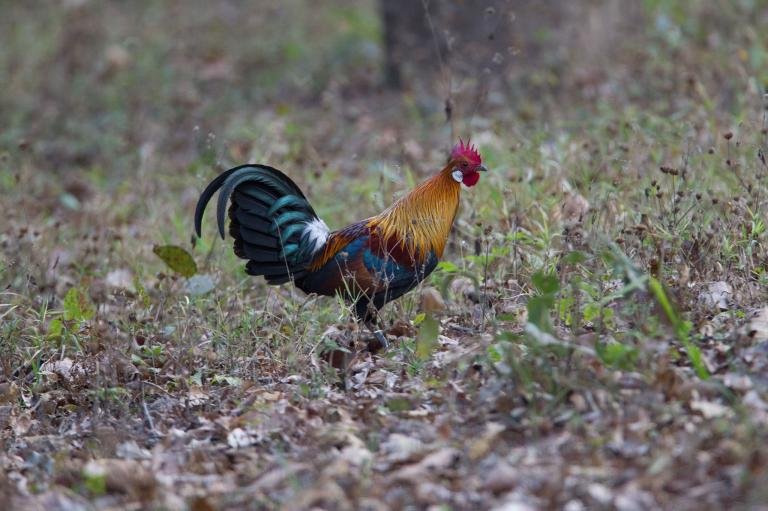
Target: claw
x,y
378,343
382,339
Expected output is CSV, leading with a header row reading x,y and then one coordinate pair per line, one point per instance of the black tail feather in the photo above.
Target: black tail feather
x,y
268,214
205,197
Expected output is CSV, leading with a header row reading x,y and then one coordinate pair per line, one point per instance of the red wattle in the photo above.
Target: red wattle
x,y
471,179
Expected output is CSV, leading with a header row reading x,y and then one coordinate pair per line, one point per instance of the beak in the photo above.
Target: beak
x,y
481,168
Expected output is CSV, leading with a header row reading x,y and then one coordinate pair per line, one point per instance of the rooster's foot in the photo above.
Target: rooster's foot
x,y
378,342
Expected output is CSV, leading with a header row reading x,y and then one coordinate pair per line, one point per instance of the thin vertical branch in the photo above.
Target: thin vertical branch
x,y
444,70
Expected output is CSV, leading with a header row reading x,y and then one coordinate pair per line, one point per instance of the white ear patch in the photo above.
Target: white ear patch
x,y
457,175
317,233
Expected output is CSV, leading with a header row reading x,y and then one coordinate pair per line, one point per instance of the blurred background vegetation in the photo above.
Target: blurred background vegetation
x,y
96,84
114,115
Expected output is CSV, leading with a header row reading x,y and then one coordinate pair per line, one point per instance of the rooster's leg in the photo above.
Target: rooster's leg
x,y
380,337
379,341
367,313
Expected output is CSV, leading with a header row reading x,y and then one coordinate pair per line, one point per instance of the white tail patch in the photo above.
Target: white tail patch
x,y
317,233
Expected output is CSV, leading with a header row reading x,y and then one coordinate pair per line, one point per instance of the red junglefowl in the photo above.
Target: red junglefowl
x,y
369,263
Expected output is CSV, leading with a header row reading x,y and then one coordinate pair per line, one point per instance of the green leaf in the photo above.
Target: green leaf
x,y
77,306
447,266
495,353
427,338
539,308
398,404
141,292
682,328
575,257
55,328
694,354
546,283
96,484
177,259
618,355
591,311
225,379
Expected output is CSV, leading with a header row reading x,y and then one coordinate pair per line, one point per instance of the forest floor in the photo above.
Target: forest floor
x,y
596,337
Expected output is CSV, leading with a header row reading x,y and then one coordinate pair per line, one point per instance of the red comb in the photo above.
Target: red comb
x,y
466,150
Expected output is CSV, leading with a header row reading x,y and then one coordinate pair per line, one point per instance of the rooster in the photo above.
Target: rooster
x,y
369,263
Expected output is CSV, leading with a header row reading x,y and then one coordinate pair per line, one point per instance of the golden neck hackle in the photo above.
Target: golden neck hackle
x,y
423,218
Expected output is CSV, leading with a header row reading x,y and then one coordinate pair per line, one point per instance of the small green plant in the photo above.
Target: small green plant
x,y
426,340
114,395
152,356
681,327
407,350
77,306
616,354
95,484
446,272
542,304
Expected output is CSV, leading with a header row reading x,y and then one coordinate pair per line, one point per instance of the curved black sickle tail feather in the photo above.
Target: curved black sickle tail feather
x,y
268,220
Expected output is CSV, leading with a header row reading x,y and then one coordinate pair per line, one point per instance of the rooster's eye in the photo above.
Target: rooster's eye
x,y
464,164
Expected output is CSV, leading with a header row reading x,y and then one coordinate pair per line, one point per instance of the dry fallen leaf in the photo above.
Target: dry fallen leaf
x,y
125,476
117,57
737,381
709,409
9,392
464,287
431,464
502,477
197,396
480,447
757,327
121,278
275,477
574,208
716,296
60,368
753,400
398,448
516,503
356,453
431,300
239,438
601,493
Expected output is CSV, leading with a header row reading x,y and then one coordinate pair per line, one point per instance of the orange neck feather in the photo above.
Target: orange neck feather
x,y
422,219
